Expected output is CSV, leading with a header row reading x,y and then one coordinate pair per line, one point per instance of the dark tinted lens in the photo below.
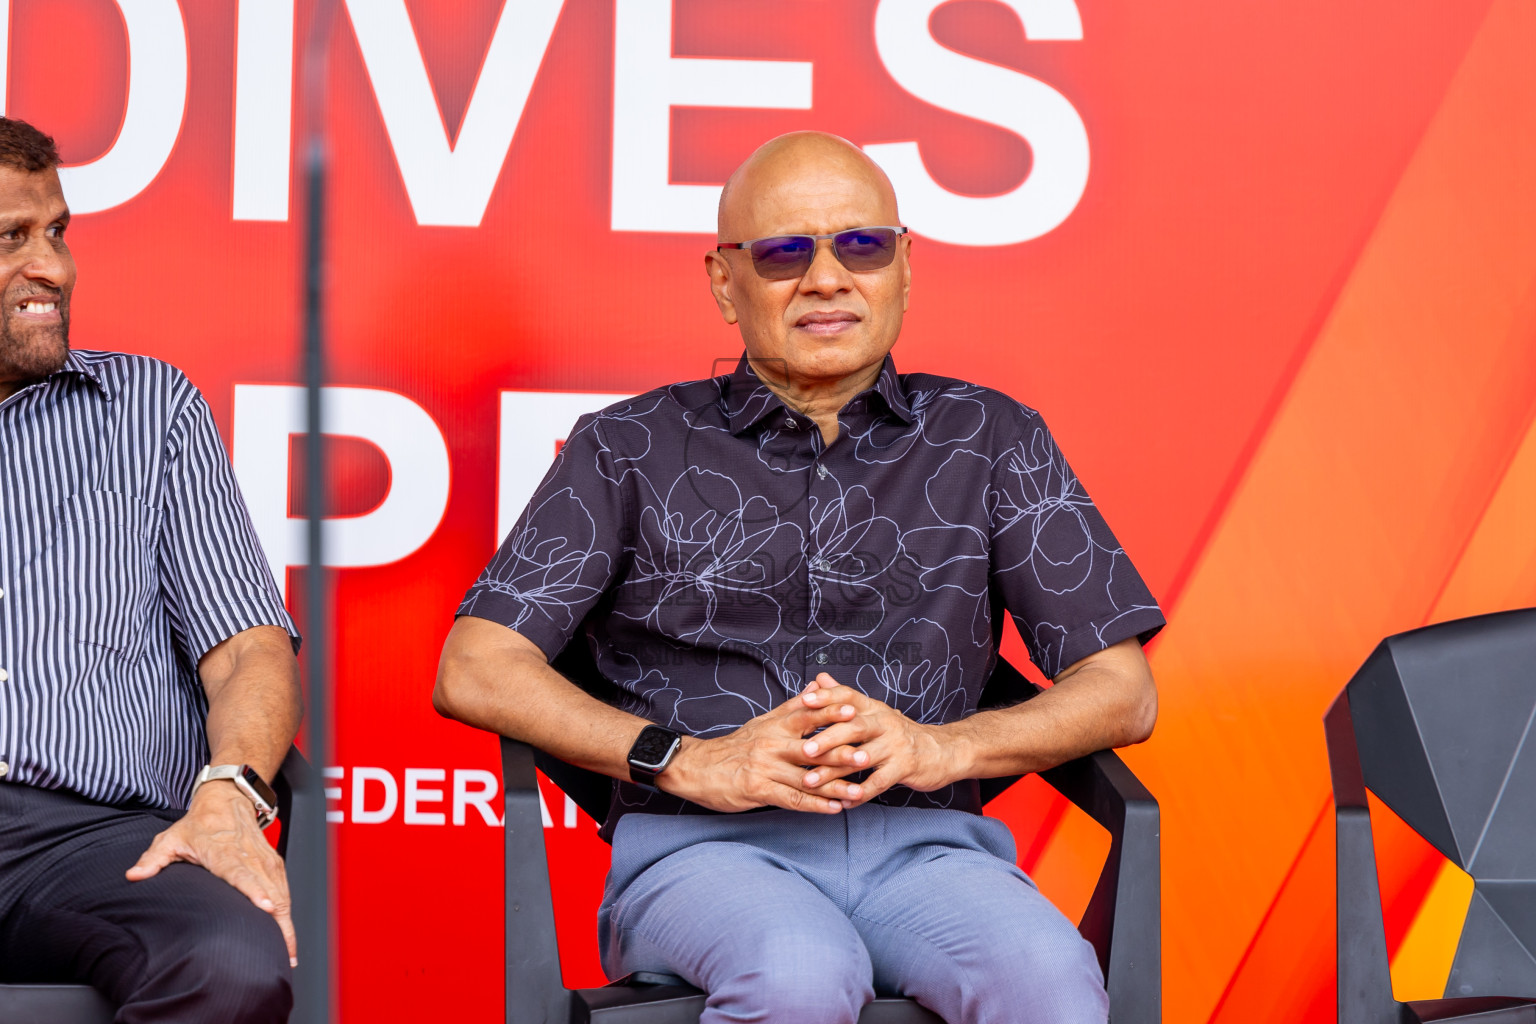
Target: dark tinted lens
x,y
866,248
784,257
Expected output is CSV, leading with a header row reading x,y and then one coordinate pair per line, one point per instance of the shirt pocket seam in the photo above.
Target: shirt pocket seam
x,y
108,540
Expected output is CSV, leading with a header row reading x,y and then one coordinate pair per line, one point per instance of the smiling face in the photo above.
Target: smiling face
x,y
832,325
37,274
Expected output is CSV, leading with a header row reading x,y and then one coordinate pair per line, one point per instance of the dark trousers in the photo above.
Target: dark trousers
x,y
183,946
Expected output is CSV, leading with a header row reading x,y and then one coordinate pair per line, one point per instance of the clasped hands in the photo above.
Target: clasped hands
x,y
798,755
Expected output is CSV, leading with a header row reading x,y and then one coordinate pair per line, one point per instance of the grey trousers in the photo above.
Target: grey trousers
x,y
788,917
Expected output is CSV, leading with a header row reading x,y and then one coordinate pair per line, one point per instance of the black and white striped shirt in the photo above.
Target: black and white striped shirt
x,y
126,554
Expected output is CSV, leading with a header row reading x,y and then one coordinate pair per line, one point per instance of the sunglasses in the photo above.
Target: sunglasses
x,y
788,257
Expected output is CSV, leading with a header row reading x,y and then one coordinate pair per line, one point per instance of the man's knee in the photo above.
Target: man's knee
x,y
781,972
1027,965
1051,970
248,964
831,991
230,966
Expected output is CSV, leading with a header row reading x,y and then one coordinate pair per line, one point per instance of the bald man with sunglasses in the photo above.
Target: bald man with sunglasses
x,y
791,579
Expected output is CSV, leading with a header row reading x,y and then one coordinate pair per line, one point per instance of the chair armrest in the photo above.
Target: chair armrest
x,y
1124,918
535,992
1364,978
591,791
297,793
301,842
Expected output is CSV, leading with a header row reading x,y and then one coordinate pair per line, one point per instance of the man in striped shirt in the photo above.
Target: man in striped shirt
x,y
141,639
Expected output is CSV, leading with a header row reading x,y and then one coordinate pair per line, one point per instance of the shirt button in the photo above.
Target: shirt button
x,y
4,675
821,658
821,471
789,421
5,769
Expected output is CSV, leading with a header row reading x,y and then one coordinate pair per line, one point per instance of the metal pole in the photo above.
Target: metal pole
x,y
313,1003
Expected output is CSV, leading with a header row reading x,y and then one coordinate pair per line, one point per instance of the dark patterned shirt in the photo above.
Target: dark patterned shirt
x,y
125,555
717,554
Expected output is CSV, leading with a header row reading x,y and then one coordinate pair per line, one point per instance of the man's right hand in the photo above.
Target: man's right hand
x,y
761,763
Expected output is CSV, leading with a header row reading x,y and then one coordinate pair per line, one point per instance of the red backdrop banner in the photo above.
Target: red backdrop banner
x,y
1267,268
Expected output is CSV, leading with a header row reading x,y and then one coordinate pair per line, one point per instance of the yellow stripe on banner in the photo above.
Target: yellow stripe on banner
x,y
1423,961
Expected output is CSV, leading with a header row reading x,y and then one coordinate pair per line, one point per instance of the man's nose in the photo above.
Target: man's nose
x,y
826,274
45,263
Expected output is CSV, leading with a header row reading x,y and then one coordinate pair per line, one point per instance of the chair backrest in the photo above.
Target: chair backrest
x,y
1445,724
593,792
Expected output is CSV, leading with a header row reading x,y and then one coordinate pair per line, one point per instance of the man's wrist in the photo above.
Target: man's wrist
x,y
222,790
676,777
248,786
955,751
651,753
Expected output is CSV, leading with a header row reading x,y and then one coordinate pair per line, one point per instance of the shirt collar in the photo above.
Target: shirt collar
x,y
888,387
749,400
75,364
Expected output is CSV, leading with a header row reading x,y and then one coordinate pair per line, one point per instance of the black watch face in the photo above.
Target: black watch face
x,y
259,784
652,746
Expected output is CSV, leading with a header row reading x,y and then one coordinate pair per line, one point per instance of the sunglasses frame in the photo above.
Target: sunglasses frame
x,y
815,241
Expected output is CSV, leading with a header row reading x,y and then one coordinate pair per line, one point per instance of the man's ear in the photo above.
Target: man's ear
x,y
720,282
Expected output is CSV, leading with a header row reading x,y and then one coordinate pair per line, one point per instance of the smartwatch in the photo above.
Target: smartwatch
x,y
652,752
247,782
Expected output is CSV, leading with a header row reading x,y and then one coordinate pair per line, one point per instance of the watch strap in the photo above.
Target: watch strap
x,y
249,782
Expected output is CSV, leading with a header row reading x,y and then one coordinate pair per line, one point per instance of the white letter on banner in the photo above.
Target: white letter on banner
x,y
480,797
415,796
451,184
263,109
361,815
647,83
330,793
1026,106
532,422
157,99
266,415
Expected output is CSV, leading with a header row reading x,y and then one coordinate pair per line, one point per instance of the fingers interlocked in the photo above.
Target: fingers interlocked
x,y
868,735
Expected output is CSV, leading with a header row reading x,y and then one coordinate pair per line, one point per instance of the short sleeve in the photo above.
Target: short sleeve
x,y
1068,583
214,578
564,551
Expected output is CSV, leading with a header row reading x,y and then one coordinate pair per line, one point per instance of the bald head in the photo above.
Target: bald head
x,y
798,177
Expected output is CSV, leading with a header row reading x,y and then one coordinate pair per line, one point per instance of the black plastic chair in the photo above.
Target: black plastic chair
x,y
1438,723
295,785
1123,919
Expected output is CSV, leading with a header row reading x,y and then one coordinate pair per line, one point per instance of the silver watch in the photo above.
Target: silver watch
x,y
246,781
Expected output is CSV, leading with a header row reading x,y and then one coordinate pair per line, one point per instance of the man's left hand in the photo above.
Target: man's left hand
x,y
901,752
219,832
